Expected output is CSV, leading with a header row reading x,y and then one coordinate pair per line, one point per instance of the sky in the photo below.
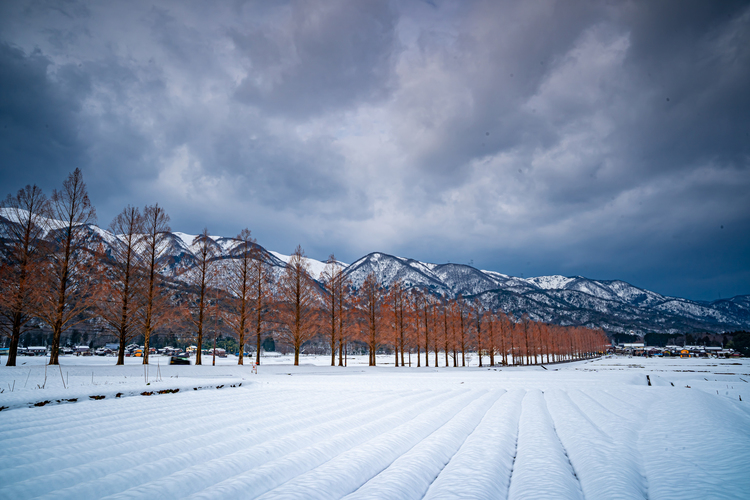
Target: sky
x,y
609,140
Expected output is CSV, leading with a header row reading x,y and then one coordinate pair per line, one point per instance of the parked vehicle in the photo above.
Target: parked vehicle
x,y
82,350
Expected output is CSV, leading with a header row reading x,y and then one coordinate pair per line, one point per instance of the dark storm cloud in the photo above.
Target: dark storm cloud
x,y
319,57
38,117
499,53
604,139
695,66
610,151
676,97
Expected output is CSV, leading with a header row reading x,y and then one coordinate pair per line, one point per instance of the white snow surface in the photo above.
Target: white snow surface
x,y
11,214
555,282
314,267
187,239
592,429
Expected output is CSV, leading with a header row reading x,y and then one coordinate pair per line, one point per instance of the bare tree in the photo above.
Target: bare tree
x,y
117,300
240,288
21,262
262,279
155,304
299,300
477,310
508,331
444,309
344,318
424,302
334,281
491,345
525,324
463,321
454,307
415,313
397,301
66,287
390,320
435,317
370,295
203,277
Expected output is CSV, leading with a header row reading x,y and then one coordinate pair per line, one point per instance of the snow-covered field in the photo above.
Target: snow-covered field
x,y
581,430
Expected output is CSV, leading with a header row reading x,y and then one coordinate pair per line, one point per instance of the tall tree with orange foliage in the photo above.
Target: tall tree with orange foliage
x,y
371,294
21,266
117,301
240,288
203,278
66,287
463,323
415,313
503,324
526,331
394,318
345,320
424,305
156,310
452,307
489,327
443,320
476,311
263,280
334,282
299,301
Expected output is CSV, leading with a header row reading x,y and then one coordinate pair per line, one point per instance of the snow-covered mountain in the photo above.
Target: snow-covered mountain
x,y
615,306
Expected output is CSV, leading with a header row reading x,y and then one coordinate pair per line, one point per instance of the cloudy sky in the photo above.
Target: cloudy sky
x,y
604,139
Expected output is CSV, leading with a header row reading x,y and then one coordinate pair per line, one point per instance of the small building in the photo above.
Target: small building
x,y
634,345
632,348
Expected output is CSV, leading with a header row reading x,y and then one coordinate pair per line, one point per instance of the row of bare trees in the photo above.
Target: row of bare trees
x,y
414,321
45,271
407,321
130,295
54,273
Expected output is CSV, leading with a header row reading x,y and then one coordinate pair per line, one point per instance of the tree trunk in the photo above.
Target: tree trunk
x,y
241,360
426,334
14,340
341,353
257,337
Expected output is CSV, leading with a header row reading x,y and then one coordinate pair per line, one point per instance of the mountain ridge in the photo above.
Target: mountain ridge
x,y
613,305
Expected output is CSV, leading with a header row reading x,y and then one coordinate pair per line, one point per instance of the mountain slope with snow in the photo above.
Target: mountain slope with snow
x,y
613,305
